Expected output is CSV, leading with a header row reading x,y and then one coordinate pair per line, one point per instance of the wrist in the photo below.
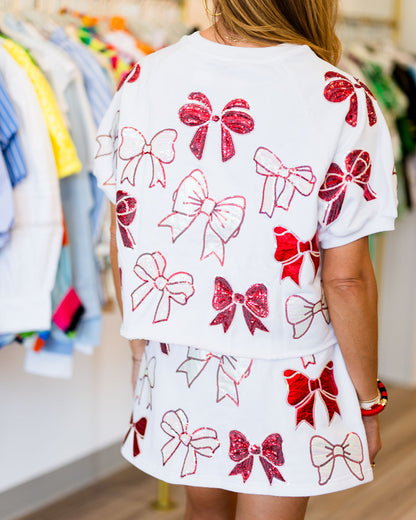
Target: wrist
x,y
376,405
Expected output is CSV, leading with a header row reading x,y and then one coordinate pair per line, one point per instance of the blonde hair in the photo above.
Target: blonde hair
x,y
302,22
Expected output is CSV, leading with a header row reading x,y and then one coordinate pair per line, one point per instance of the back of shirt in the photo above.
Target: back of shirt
x,y
231,167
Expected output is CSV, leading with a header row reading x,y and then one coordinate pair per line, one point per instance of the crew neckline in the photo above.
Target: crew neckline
x,y
224,52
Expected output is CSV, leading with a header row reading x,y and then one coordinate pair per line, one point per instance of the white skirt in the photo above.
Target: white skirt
x,y
286,427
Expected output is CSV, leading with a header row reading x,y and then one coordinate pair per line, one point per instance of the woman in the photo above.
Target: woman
x,y
246,172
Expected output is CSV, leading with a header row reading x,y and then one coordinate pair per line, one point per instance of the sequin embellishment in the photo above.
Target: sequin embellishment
x,y
234,117
179,287
225,217
300,313
134,147
146,379
231,371
254,304
108,145
333,190
131,76
342,88
203,441
126,211
139,429
270,454
281,182
323,455
291,252
302,393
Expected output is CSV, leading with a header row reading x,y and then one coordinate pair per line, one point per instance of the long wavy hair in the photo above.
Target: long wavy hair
x,y
268,22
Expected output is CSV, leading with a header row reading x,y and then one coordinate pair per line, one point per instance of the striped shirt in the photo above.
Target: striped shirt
x,y
9,138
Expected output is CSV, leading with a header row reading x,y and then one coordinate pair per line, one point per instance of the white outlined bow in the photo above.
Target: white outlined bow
x,y
300,313
281,182
147,378
133,147
203,441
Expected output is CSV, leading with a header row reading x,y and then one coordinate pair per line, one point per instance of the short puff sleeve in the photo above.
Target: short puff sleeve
x,y
106,155
359,193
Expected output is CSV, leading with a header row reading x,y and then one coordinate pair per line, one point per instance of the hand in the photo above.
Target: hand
x,y
137,349
372,430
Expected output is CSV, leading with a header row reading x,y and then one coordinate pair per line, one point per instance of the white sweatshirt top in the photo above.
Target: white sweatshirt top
x,y
231,169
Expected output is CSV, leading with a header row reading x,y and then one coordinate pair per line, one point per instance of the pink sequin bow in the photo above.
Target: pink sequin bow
x,y
203,441
281,182
342,88
270,454
179,287
134,147
139,429
333,190
254,304
300,313
225,217
323,455
231,371
234,117
126,206
291,252
303,390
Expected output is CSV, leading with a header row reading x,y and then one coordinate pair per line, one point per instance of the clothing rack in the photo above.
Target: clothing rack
x,y
393,22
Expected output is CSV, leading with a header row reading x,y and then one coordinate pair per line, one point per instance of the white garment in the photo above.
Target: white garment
x,y
28,262
225,150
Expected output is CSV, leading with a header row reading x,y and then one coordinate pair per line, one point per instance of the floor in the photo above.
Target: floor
x,y
127,495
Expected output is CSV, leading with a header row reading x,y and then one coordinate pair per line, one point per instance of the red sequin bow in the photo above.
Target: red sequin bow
x,y
231,371
342,88
139,429
281,182
254,304
126,210
179,287
234,117
290,251
225,217
134,147
358,166
303,390
203,441
270,454
300,313
323,455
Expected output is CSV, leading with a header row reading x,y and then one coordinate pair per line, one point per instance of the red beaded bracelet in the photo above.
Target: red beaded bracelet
x,y
381,404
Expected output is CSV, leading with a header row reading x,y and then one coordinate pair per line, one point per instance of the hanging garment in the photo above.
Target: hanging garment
x,y
29,260
6,203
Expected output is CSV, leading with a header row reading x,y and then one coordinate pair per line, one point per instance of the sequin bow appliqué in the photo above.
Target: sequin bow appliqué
x,y
126,206
225,217
146,378
342,88
270,454
134,147
281,182
291,252
179,287
139,429
254,304
303,390
231,371
300,313
323,455
203,441
234,117
333,190
108,145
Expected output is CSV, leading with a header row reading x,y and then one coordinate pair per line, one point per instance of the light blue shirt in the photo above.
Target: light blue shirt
x,y
6,203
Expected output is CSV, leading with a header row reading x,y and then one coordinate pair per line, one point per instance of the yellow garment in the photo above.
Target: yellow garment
x,y
66,158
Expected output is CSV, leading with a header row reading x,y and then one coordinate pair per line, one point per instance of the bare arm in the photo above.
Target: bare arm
x,y
351,291
136,345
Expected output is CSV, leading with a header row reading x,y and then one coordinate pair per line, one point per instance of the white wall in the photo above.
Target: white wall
x,y
47,423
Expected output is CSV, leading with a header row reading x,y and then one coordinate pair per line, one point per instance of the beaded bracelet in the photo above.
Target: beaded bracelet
x,y
377,405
